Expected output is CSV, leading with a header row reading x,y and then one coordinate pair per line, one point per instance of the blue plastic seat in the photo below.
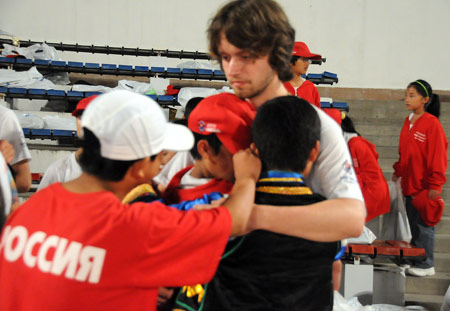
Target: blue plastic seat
x,y
125,67
109,66
37,91
340,105
173,70
58,63
141,68
41,132
43,62
25,61
205,71
325,105
87,94
75,64
314,76
63,133
92,65
157,69
3,89
26,131
329,75
189,71
8,60
56,93
17,90
74,94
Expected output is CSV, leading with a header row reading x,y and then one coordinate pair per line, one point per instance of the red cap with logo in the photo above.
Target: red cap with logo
x,y
302,50
82,104
430,210
227,116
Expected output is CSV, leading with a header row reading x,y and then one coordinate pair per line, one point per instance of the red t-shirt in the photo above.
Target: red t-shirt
x,y
370,177
66,251
307,91
174,194
423,155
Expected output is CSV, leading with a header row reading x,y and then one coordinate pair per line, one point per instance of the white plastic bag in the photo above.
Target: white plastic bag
x,y
135,86
29,120
395,223
35,51
27,79
367,237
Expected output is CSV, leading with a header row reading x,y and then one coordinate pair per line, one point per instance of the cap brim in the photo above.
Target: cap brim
x,y
178,138
308,55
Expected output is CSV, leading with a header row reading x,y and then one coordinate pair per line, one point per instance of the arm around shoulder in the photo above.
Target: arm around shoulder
x,y
329,220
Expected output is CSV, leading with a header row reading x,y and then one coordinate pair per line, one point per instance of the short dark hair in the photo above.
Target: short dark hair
x,y
190,105
424,88
294,59
211,139
92,162
259,27
285,130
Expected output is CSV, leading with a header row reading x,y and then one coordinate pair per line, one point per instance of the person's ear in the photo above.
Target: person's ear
x,y
314,152
254,150
137,170
203,149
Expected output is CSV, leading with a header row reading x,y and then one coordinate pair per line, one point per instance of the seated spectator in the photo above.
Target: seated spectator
x,y
264,270
11,131
67,168
87,250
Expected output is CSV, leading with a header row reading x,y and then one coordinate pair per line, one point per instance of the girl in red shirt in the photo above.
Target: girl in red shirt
x,y
422,165
300,61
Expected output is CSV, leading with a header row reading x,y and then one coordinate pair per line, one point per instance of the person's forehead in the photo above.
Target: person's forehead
x,y
226,46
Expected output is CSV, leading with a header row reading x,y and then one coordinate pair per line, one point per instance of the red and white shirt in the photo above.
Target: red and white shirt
x,y
307,91
68,251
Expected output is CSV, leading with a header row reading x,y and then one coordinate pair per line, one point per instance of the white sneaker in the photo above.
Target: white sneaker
x,y
405,266
420,271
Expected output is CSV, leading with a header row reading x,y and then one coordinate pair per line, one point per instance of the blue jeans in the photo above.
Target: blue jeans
x,y
422,235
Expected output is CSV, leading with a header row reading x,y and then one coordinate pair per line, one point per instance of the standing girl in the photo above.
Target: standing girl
x,y
422,165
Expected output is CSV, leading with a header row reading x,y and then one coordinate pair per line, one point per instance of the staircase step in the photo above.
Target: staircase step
x,y
428,285
429,302
442,261
442,244
443,226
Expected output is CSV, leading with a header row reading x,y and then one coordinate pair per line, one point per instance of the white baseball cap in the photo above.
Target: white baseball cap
x,y
132,126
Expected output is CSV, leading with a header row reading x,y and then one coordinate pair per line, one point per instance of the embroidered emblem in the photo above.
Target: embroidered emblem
x,y
420,136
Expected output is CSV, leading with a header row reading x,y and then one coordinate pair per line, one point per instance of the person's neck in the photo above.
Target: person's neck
x,y
87,183
417,114
199,170
296,81
274,89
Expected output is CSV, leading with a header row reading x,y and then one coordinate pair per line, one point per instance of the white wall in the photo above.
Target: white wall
x,y
369,44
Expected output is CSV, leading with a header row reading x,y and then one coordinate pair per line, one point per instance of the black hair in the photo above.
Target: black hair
x,y
294,59
180,122
285,130
190,105
93,163
259,27
424,88
347,125
211,139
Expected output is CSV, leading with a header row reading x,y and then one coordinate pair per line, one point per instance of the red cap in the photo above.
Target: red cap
x,y
430,210
334,113
227,116
301,49
82,104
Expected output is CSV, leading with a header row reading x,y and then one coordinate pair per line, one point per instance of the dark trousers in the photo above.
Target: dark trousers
x,y
422,236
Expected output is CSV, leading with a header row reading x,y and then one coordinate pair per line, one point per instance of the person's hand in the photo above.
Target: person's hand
x,y
7,150
214,204
246,165
433,194
164,294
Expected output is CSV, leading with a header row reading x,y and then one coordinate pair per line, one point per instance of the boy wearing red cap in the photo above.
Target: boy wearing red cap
x,y
221,125
67,168
300,61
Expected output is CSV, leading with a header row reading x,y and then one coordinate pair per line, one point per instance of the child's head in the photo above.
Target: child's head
x,y
419,96
122,128
286,132
190,105
79,109
301,58
222,126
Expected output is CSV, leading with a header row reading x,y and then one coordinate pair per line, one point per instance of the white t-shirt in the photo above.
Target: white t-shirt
x,y
62,170
332,174
11,131
180,160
